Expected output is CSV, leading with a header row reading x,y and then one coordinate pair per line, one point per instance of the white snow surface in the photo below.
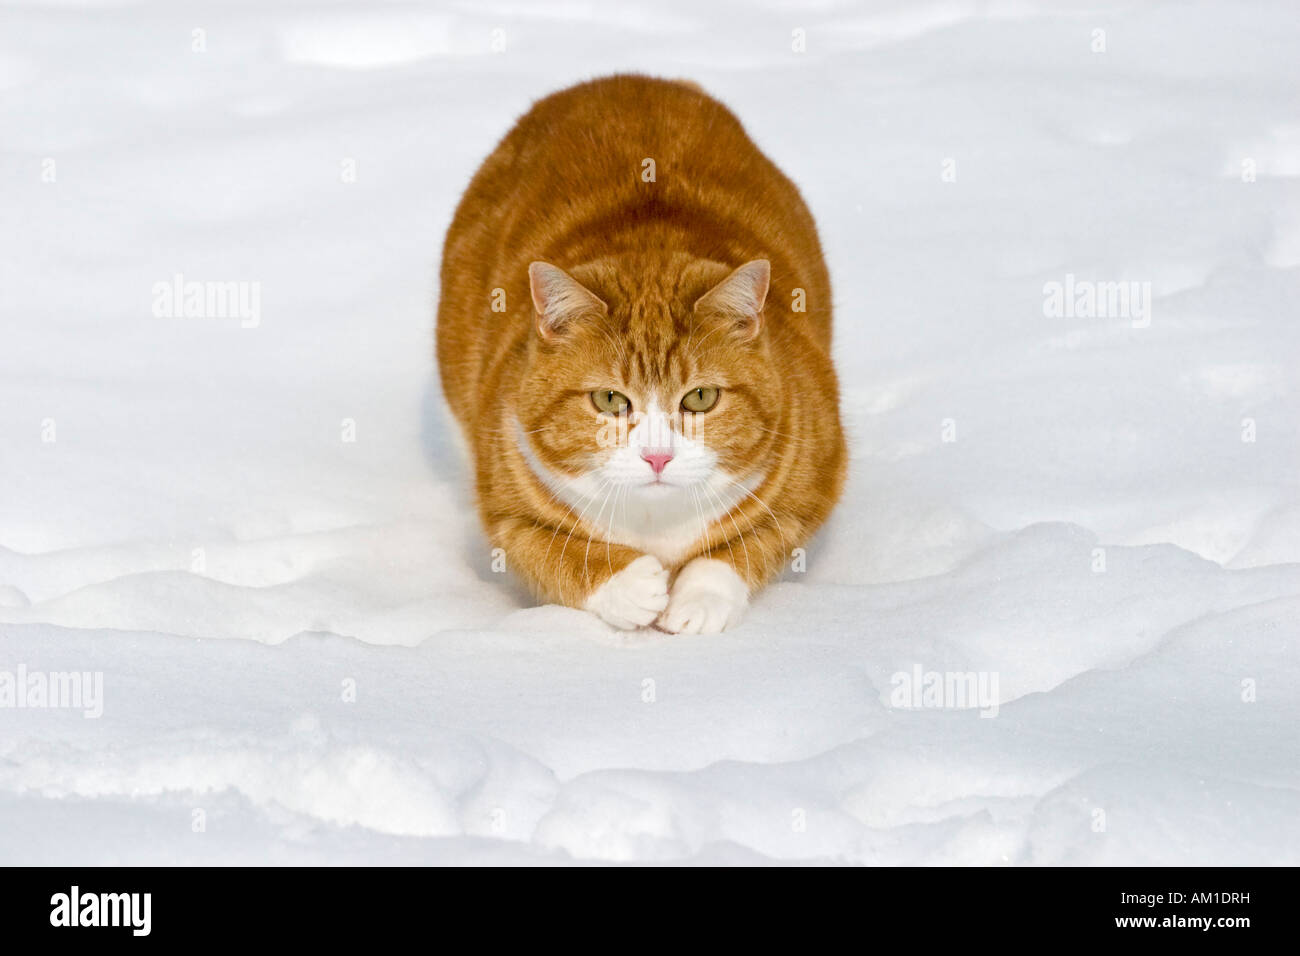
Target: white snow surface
x,y
181,511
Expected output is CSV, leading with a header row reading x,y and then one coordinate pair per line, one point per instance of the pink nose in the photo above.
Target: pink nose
x,y
658,458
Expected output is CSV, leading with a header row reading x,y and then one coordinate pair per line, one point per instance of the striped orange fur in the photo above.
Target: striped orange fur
x,y
627,242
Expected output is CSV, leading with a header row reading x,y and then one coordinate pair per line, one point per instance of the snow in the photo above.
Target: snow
x,y
306,654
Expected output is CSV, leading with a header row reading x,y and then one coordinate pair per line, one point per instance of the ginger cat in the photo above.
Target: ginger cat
x,y
634,332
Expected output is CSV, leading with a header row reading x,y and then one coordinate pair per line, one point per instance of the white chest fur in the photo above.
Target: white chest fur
x,y
665,521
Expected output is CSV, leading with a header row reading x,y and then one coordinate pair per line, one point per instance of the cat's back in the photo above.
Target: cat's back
x,y
625,142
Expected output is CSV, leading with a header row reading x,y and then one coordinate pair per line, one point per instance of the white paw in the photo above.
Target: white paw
x,y
708,597
633,597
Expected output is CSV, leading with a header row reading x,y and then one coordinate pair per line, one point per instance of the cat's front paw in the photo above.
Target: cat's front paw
x,y
633,597
708,596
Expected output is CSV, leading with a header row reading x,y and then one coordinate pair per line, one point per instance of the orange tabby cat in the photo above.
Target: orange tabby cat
x,y
634,332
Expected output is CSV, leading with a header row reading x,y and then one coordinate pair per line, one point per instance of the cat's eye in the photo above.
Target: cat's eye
x,y
611,402
700,399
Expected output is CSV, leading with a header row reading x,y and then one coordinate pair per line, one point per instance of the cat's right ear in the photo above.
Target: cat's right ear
x,y
559,298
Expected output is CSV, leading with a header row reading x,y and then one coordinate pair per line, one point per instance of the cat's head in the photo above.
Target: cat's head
x,y
650,388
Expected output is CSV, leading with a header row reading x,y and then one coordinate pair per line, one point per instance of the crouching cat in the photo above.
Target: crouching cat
x,y
634,332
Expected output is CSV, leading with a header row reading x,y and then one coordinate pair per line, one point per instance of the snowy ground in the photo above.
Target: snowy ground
x,y
1102,513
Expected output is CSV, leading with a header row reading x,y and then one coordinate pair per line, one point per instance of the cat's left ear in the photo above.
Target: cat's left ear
x,y
740,297
559,298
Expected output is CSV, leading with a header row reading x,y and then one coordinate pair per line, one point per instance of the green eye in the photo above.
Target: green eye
x,y
611,402
700,399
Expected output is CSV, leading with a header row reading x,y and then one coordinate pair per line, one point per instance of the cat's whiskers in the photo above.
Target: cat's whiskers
x,y
785,547
709,499
573,526
586,574
518,429
620,499
569,537
723,510
704,531
555,496
583,514
730,513
539,518
793,438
